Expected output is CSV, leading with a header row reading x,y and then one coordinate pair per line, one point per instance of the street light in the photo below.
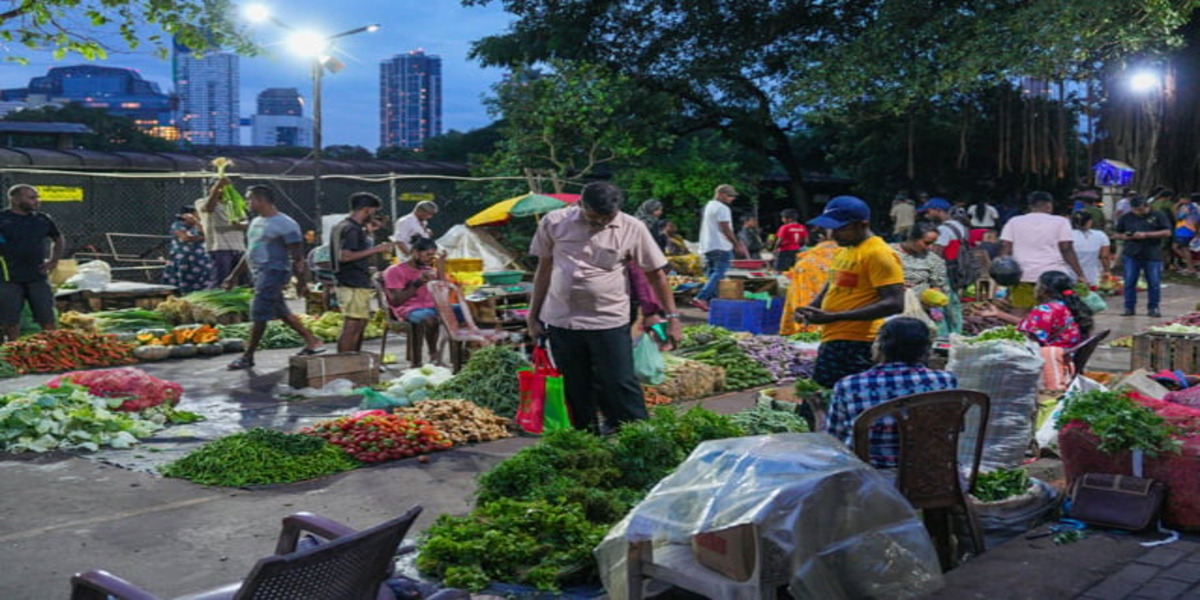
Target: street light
x,y
316,46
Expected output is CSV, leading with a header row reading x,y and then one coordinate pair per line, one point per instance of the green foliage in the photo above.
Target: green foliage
x,y
763,419
1120,423
489,379
1001,484
111,132
567,123
1004,333
540,512
536,543
78,26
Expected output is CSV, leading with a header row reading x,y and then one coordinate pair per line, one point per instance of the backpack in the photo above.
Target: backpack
x,y
961,270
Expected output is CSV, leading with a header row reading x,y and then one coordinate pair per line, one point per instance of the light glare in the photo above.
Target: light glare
x,y
256,13
1143,81
308,43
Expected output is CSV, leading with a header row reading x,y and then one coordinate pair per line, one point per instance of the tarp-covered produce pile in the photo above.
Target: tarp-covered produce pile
x,y
539,513
66,350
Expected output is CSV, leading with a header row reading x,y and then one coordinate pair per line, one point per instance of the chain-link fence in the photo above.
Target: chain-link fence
x,y
145,204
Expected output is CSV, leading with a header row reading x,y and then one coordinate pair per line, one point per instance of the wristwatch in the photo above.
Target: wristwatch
x,y
673,315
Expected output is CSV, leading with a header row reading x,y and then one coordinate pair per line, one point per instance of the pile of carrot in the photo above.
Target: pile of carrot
x,y
66,350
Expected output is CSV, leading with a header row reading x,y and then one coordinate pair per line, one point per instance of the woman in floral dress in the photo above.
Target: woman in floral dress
x,y
189,268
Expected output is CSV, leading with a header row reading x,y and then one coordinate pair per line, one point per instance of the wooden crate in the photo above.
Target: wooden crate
x,y
731,289
362,368
1155,351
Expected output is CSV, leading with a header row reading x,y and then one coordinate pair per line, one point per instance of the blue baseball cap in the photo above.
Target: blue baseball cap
x,y
842,211
936,204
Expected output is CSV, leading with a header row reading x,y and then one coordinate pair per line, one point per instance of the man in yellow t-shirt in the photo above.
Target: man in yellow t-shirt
x,y
866,284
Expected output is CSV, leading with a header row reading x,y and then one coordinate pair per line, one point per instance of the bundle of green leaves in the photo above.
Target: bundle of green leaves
x,y
1120,423
540,512
489,379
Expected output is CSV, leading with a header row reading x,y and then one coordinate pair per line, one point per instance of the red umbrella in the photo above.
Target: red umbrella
x,y
568,198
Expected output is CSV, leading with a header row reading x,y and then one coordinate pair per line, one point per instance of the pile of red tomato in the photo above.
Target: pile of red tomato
x,y
378,436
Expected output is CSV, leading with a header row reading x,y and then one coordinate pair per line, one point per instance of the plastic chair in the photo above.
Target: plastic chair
x,y
1082,352
928,475
459,335
351,566
414,333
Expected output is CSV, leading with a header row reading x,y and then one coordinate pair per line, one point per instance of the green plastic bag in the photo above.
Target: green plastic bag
x,y
376,400
648,362
1095,302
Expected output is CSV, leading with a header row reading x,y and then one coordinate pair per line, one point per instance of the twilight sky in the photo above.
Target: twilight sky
x,y
350,97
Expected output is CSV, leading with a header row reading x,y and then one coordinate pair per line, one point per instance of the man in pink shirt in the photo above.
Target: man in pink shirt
x,y
1039,242
581,294
407,295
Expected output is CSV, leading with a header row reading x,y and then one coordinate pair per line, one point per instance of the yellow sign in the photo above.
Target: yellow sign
x,y
416,197
59,193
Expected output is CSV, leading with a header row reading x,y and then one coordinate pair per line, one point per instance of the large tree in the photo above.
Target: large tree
x,y
753,69
91,28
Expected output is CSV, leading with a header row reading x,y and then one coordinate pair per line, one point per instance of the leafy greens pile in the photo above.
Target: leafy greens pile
x,y
67,417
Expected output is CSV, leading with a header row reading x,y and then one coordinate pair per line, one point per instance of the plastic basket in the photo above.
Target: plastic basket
x,y
502,277
464,265
752,316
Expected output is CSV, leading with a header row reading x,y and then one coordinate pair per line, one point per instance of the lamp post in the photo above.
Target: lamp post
x,y
318,47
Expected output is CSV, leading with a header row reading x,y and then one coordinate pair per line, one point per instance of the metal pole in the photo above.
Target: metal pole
x,y
392,193
316,82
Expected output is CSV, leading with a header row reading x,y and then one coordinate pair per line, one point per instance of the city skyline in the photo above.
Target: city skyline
x,y
351,96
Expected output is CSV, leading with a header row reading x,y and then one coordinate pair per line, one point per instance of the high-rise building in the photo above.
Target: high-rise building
x,y
410,99
280,119
120,92
208,88
280,101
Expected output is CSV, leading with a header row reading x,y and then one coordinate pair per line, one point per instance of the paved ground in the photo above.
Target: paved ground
x,y
64,513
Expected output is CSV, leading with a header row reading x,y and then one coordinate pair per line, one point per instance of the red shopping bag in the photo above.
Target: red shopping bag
x,y
543,405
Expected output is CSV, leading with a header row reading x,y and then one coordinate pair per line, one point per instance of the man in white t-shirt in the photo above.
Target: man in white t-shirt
x,y
413,225
718,242
1039,242
225,239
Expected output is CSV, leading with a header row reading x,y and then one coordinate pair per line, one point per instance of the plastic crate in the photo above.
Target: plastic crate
x,y
464,265
502,277
753,316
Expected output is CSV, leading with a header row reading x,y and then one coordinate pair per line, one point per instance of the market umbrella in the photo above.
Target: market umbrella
x,y
522,206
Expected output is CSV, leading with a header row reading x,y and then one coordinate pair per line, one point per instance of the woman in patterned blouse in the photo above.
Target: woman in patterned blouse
x,y
1061,319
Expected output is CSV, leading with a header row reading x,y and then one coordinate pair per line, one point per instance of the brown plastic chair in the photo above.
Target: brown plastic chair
x,y
459,335
414,332
351,566
1082,352
928,475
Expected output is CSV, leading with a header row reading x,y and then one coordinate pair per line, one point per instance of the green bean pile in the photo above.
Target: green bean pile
x,y
258,457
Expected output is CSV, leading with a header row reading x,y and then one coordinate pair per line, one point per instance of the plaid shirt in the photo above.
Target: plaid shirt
x,y
856,393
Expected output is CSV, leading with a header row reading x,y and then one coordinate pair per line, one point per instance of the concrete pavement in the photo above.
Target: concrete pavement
x,y
64,513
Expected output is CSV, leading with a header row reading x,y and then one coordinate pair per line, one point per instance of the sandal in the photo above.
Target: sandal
x,y
242,363
311,351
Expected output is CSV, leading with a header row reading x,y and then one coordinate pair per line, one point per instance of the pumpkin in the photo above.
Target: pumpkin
x,y
233,344
183,351
209,349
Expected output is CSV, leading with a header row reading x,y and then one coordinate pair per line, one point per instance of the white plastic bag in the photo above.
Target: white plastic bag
x,y
1047,432
1009,373
913,308
94,276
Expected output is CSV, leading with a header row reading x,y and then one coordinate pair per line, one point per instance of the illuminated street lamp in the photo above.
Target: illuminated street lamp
x,y
316,46
1144,81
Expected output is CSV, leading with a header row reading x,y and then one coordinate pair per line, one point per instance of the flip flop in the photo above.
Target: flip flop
x,y
311,351
241,363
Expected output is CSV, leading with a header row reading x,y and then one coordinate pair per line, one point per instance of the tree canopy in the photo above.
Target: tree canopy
x,y
90,28
754,70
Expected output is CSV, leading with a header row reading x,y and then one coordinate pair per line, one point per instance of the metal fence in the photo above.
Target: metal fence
x,y
145,204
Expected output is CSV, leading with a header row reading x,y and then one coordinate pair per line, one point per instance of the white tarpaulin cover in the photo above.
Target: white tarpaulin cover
x,y
466,242
830,525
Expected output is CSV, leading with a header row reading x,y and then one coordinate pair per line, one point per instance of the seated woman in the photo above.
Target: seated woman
x,y
1060,320
407,295
901,350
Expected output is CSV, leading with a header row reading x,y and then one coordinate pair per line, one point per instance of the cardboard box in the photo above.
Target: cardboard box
x,y
362,368
731,552
731,289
